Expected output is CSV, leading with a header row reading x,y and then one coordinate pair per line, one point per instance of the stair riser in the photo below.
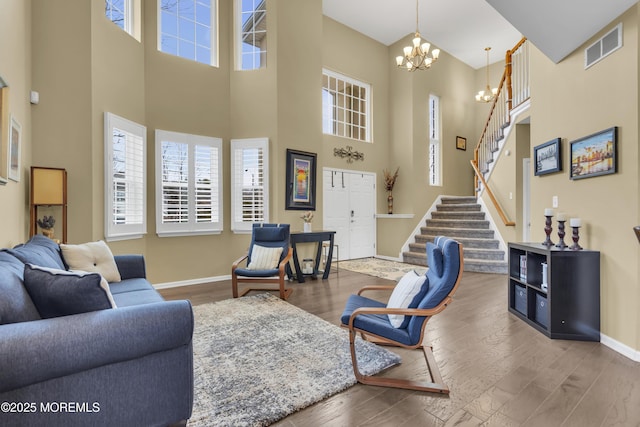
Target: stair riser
x,y
458,200
478,244
459,208
458,215
452,232
470,264
483,268
485,255
458,223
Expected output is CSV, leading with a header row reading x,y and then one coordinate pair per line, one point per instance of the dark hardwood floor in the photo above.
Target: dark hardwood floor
x,y
500,371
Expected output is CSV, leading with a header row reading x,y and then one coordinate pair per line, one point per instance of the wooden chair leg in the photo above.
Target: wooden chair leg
x,y
436,385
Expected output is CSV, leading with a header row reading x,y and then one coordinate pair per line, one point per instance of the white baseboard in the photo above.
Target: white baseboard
x,y
623,349
191,282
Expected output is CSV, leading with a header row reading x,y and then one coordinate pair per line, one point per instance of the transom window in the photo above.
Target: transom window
x,y
251,34
188,184
346,106
188,28
125,14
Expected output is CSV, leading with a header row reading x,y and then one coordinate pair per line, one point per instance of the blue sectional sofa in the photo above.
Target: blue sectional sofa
x,y
127,366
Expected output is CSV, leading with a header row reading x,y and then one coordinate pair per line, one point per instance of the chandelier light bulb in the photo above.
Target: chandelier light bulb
x,y
488,94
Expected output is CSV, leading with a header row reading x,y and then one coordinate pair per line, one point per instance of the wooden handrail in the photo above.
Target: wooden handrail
x,y
503,216
505,85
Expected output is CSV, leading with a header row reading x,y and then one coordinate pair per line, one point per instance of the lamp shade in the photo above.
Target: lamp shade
x,y
48,186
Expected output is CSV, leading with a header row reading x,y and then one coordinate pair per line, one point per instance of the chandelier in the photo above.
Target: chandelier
x,y
417,57
488,94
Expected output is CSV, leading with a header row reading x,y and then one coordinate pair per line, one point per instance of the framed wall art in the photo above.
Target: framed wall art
x,y
15,134
461,143
548,157
301,180
594,155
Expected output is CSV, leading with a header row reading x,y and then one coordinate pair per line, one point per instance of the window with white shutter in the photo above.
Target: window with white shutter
x,y
188,184
125,178
249,183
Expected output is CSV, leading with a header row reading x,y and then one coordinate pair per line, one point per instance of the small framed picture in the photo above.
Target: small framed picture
x,y
594,155
548,157
15,133
461,143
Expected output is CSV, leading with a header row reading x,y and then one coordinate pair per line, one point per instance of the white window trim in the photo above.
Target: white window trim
x,y
369,99
435,142
261,143
132,21
190,228
237,20
215,42
114,231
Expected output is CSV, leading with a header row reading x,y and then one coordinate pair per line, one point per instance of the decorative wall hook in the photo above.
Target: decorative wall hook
x,y
348,153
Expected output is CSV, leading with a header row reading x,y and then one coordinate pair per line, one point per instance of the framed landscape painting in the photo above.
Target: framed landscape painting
x,y
301,180
548,157
594,155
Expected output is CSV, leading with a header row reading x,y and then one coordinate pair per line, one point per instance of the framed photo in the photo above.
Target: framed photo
x,y
301,180
461,143
594,155
548,157
15,133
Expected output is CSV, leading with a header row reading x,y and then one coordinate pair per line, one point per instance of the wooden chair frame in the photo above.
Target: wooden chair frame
x,y
436,384
279,279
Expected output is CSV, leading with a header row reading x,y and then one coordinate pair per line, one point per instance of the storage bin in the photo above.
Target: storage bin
x,y
520,298
542,310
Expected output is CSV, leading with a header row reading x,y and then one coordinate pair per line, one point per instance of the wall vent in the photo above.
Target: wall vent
x,y
603,47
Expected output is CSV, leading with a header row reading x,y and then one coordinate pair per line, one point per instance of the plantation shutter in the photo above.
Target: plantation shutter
x,y
250,183
189,184
125,172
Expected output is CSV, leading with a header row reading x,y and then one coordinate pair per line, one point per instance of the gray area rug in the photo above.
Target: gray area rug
x,y
258,359
391,270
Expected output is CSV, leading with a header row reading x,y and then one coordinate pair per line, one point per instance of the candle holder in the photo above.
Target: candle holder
x,y
548,230
576,237
561,235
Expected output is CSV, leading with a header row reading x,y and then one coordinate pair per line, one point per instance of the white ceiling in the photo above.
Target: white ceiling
x,y
463,28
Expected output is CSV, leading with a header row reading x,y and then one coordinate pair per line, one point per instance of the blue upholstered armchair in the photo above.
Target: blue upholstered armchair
x,y
375,320
266,260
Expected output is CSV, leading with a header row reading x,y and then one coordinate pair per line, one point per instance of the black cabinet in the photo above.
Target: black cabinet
x,y
556,291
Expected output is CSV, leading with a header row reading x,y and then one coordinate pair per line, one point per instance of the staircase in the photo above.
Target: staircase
x,y
461,218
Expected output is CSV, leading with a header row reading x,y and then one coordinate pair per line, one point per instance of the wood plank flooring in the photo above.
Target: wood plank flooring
x,y
501,372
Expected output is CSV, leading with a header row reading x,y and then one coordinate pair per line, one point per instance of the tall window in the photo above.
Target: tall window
x,y
435,137
251,34
249,183
125,14
188,28
346,106
188,184
125,178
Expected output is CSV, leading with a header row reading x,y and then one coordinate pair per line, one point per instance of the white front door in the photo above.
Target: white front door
x,y
349,209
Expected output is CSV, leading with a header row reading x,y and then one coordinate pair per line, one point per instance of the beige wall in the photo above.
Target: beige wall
x,y
15,70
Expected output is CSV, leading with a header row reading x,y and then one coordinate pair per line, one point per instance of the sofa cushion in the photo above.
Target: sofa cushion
x,y
407,294
39,250
128,299
60,293
15,303
94,257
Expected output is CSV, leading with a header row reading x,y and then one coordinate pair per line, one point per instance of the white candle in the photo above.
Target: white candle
x,y
561,217
548,212
575,222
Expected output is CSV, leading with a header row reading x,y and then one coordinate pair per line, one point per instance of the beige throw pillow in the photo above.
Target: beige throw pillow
x,y
94,257
263,258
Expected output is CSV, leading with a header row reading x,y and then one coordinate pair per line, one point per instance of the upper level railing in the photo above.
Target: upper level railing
x,y
513,90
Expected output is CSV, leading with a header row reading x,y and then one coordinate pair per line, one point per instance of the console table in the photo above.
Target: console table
x,y
313,236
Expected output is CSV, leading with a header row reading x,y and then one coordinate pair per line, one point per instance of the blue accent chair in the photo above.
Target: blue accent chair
x,y
271,236
370,317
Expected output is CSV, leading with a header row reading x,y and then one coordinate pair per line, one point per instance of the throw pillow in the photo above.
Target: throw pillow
x,y
407,294
61,293
264,258
94,257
